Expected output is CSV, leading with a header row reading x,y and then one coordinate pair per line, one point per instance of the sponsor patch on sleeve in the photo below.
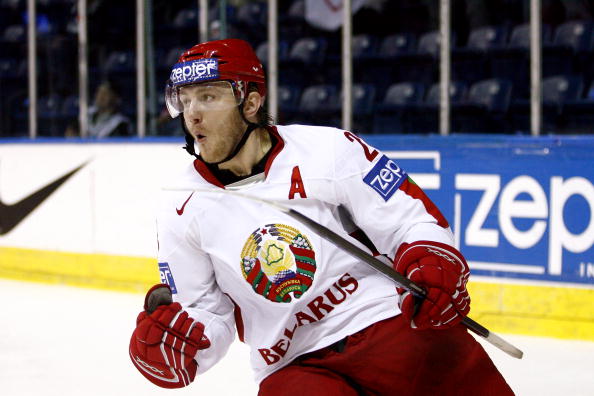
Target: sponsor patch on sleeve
x,y
167,276
385,177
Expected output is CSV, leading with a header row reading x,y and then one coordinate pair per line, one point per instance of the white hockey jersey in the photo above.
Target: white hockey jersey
x,y
234,263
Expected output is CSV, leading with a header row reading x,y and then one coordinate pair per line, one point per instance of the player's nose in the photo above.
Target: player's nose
x,y
194,114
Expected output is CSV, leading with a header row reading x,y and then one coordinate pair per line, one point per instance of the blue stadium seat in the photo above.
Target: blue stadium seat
x,y
186,19
471,63
14,33
487,37
520,36
579,113
296,10
403,94
304,62
363,97
288,97
309,50
363,101
557,92
282,54
423,117
291,24
288,102
421,65
252,13
364,46
250,19
429,43
364,54
120,67
316,105
318,98
379,69
397,44
120,62
576,35
13,41
513,62
559,89
457,93
392,115
569,51
484,109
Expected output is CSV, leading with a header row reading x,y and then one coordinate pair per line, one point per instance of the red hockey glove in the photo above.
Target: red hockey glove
x,y
166,340
443,272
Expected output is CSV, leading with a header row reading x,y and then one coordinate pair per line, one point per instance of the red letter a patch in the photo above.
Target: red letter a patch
x,y
297,186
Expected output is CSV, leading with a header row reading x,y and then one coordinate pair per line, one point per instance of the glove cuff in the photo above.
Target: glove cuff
x,y
410,252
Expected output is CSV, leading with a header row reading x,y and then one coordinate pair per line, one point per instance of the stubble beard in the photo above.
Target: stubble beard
x,y
223,139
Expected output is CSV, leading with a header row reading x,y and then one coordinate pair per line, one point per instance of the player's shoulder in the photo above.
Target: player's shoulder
x,y
312,139
335,144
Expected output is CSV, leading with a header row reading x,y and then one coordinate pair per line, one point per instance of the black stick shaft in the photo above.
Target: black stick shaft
x,y
380,266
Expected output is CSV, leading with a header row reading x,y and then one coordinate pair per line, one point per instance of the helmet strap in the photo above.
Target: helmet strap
x,y
189,147
246,134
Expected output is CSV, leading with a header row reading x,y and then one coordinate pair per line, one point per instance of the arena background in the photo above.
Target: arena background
x,y
509,159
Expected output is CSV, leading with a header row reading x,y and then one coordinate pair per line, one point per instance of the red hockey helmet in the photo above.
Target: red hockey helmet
x,y
230,60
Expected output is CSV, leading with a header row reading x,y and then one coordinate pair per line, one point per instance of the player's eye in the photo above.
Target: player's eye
x,y
184,100
207,97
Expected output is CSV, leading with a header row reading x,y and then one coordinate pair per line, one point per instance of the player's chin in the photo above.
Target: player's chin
x,y
210,157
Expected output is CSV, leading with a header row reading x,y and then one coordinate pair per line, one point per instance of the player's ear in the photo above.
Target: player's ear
x,y
251,105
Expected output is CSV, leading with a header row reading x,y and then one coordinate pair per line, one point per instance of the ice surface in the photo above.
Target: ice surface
x,y
66,341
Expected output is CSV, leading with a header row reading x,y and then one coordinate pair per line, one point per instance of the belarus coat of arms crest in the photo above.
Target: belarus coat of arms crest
x,y
278,262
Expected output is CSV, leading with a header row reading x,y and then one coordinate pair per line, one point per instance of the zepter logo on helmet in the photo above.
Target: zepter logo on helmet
x,y
213,76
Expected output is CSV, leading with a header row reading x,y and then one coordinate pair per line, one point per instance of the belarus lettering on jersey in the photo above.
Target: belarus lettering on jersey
x,y
234,263
316,310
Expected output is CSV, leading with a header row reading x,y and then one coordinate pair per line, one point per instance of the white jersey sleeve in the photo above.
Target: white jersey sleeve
x,y
382,199
190,274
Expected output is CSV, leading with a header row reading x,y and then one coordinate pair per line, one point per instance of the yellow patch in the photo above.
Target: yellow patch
x,y
102,271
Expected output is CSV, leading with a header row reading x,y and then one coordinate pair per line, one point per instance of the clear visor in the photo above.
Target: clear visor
x,y
207,96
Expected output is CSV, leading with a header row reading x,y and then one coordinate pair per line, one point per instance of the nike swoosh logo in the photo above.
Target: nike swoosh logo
x,y
181,211
12,215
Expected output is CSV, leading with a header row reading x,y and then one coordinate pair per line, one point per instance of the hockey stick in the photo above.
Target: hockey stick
x,y
377,264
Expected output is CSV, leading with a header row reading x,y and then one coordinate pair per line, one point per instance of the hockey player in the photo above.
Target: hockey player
x,y
318,321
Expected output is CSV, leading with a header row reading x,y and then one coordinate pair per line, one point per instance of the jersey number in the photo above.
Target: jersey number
x,y
370,154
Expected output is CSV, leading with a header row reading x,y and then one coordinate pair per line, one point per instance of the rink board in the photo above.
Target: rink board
x,y
521,209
